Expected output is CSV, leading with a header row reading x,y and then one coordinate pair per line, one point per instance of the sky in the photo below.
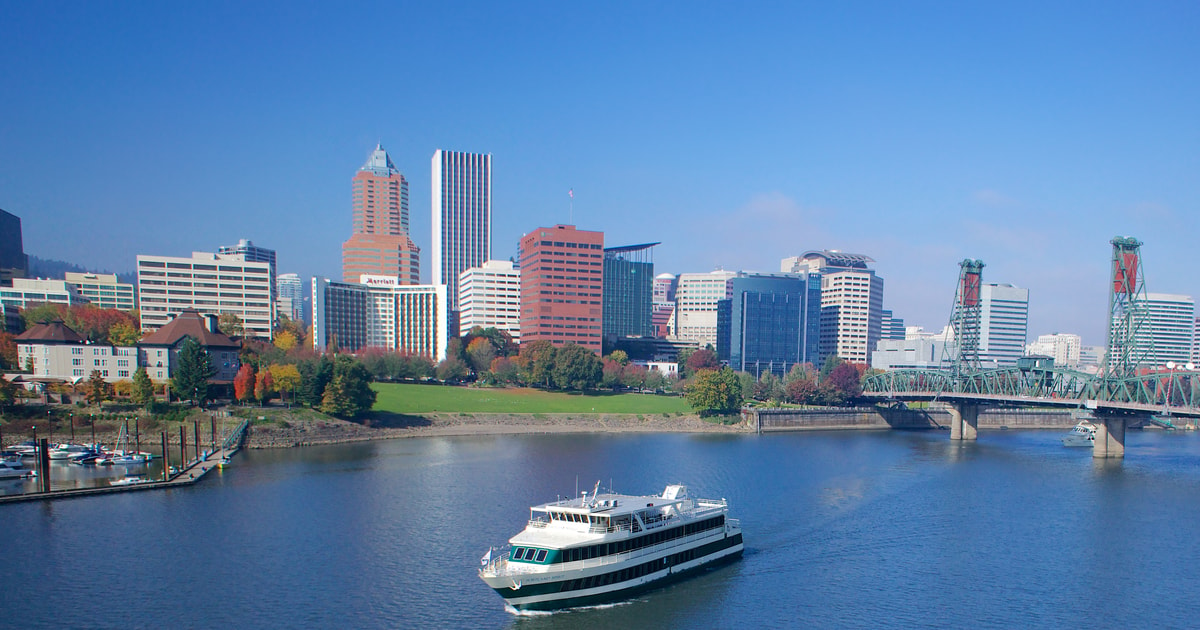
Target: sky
x,y
1024,134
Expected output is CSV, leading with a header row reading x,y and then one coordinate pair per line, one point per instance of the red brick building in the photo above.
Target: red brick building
x,y
562,273
379,243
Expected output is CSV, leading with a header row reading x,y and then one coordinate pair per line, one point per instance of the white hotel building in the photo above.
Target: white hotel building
x,y
210,283
490,297
379,312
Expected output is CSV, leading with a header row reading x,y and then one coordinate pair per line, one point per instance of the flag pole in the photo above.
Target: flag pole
x,y
571,216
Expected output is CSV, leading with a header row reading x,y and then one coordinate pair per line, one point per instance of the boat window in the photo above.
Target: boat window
x,y
516,553
541,555
529,553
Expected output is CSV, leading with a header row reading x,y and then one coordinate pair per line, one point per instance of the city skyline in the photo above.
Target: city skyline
x,y
1025,136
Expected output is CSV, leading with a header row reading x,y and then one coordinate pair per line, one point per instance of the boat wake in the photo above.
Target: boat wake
x,y
547,613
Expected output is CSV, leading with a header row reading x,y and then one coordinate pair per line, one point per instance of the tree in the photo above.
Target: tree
x,y
539,362
264,387
98,389
8,351
315,375
191,376
124,334
845,379
286,378
620,356
481,352
704,359
610,374
505,370
715,392
285,340
452,369
576,367
243,383
349,393
230,325
768,387
142,392
634,376
8,393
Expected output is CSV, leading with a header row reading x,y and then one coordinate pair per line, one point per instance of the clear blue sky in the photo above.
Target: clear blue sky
x,y
1023,134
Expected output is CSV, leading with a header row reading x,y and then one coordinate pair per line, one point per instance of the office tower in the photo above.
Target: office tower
x,y
1166,328
1062,347
662,309
13,261
562,272
289,296
628,291
379,312
490,297
462,216
26,292
696,305
851,302
103,290
1003,324
379,242
213,284
770,322
891,327
251,252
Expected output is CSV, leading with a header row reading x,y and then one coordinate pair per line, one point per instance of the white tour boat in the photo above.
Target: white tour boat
x,y
606,546
1083,434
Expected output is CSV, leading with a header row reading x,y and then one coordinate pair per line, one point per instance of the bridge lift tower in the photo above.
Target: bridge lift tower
x,y
1130,342
965,323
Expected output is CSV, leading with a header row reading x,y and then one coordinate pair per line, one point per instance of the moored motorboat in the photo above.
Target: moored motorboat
x,y
1082,434
607,546
12,468
129,480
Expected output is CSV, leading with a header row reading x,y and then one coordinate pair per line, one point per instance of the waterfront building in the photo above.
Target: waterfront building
x,y
379,312
851,302
628,291
489,296
289,296
1003,324
212,284
562,272
339,315
379,242
1064,348
26,292
103,290
159,351
770,322
924,352
461,214
13,261
1165,330
696,305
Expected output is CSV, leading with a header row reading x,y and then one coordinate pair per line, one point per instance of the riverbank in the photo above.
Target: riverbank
x,y
281,431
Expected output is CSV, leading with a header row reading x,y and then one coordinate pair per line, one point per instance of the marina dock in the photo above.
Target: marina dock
x,y
192,472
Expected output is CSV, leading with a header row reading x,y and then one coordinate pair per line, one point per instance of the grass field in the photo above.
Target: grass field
x,y
417,399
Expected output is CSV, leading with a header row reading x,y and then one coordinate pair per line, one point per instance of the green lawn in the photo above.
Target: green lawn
x,y
417,399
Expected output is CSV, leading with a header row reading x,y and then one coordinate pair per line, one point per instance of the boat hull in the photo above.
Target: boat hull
x,y
565,593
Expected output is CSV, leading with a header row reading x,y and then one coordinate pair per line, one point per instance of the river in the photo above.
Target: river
x,y
843,529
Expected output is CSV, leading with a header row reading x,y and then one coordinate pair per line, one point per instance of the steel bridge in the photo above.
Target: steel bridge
x,y
1130,386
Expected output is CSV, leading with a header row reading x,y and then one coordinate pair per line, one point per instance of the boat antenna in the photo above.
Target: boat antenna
x,y
576,486
596,491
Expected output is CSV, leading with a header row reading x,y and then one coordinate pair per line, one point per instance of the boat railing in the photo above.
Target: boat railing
x,y
495,560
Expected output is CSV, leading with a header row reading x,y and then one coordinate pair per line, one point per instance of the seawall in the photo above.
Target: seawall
x,y
935,416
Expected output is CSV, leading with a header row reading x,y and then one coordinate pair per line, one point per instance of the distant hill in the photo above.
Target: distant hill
x,y
43,268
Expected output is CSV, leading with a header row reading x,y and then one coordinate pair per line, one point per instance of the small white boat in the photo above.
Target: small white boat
x,y
1083,434
129,480
12,468
68,451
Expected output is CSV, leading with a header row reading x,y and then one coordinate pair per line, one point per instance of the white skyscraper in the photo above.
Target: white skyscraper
x,y
1172,324
1003,324
289,296
462,216
696,305
851,302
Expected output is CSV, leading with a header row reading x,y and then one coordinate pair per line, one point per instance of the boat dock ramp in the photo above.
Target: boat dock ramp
x,y
193,471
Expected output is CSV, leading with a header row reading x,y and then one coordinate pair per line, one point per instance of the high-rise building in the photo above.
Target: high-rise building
x,y
289,296
251,252
1064,348
103,290
628,291
562,291
696,305
13,261
339,315
770,322
489,296
851,302
380,312
1003,324
891,327
379,242
1169,333
213,284
662,313
462,216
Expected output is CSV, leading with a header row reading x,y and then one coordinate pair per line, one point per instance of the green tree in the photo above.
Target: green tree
x,y
505,370
8,393
349,393
285,340
481,352
124,334
142,392
195,367
98,389
715,392
452,369
315,375
231,325
620,357
286,377
576,367
539,362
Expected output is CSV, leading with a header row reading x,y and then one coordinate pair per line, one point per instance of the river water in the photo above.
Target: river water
x,y
843,529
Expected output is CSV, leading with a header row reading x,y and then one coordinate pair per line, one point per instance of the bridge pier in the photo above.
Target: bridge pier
x,y
1110,436
964,421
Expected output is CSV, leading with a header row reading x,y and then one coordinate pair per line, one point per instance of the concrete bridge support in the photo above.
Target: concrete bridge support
x,y
1110,436
964,421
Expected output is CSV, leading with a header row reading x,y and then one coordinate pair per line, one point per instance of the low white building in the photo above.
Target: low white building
x,y
103,290
924,352
26,292
54,351
1064,348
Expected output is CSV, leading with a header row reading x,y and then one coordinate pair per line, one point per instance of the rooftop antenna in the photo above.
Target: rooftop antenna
x,y
571,216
